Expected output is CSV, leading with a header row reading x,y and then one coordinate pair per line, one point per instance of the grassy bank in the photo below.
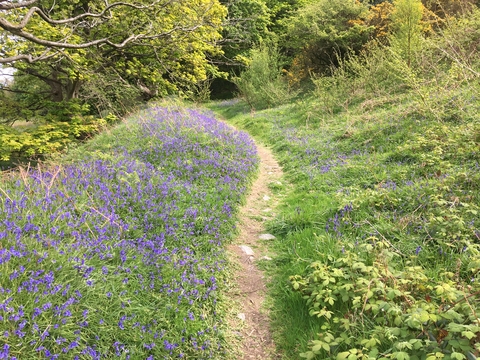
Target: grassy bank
x,y
378,240
117,252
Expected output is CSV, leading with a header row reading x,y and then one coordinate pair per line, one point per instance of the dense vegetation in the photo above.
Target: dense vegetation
x,y
76,62
118,251
372,109
379,238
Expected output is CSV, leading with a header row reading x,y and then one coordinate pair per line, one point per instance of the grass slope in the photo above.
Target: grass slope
x,y
378,240
118,251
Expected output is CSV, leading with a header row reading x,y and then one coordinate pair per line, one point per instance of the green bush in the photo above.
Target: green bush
x,y
326,31
261,84
34,143
390,312
368,77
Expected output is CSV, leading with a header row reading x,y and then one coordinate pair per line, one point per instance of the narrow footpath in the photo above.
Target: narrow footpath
x,y
251,321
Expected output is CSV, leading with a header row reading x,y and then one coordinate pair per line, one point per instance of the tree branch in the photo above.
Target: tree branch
x,y
46,18
46,79
50,45
10,6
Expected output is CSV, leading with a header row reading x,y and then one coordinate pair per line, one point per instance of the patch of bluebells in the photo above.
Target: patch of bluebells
x,y
309,154
390,191
340,219
121,255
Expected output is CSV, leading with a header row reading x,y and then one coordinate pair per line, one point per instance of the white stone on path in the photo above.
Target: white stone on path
x,y
247,250
241,316
267,258
266,197
266,237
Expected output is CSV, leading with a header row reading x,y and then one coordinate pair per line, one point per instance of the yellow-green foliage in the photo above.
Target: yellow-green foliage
x,y
48,138
406,21
170,54
261,84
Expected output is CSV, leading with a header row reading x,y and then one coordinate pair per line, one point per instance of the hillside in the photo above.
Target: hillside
x,y
117,251
378,237
378,241
118,220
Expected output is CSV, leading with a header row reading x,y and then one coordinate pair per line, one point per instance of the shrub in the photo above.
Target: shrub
x,y
36,142
391,312
368,76
442,70
261,83
325,31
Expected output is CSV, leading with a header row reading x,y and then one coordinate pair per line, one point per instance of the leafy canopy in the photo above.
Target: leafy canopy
x,y
325,29
160,47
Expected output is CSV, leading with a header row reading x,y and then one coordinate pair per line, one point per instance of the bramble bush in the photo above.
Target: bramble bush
x,y
390,310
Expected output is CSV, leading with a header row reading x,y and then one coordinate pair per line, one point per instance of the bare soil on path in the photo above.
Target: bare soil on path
x,y
250,322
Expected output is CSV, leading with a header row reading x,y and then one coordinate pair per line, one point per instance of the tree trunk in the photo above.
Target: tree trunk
x,y
56,87
73,88
56,90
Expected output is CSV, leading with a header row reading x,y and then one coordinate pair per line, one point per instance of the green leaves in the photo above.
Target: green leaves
x,y
401,355
46,139
398,304
323,28
246,26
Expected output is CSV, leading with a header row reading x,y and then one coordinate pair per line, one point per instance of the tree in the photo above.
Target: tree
x,y
245,26
280,10
325,30
406,22
159,47
448,8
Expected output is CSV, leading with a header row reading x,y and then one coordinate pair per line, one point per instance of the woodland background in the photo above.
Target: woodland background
x,y
80,65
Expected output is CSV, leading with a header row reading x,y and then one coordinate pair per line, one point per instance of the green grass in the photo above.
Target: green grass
x,y
377,186
116,250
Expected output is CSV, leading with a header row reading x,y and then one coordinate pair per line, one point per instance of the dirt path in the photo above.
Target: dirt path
x,y
251,318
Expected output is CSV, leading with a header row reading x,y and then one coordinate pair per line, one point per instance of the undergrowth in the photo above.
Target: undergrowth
x,y
20,146
116,252
378,242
